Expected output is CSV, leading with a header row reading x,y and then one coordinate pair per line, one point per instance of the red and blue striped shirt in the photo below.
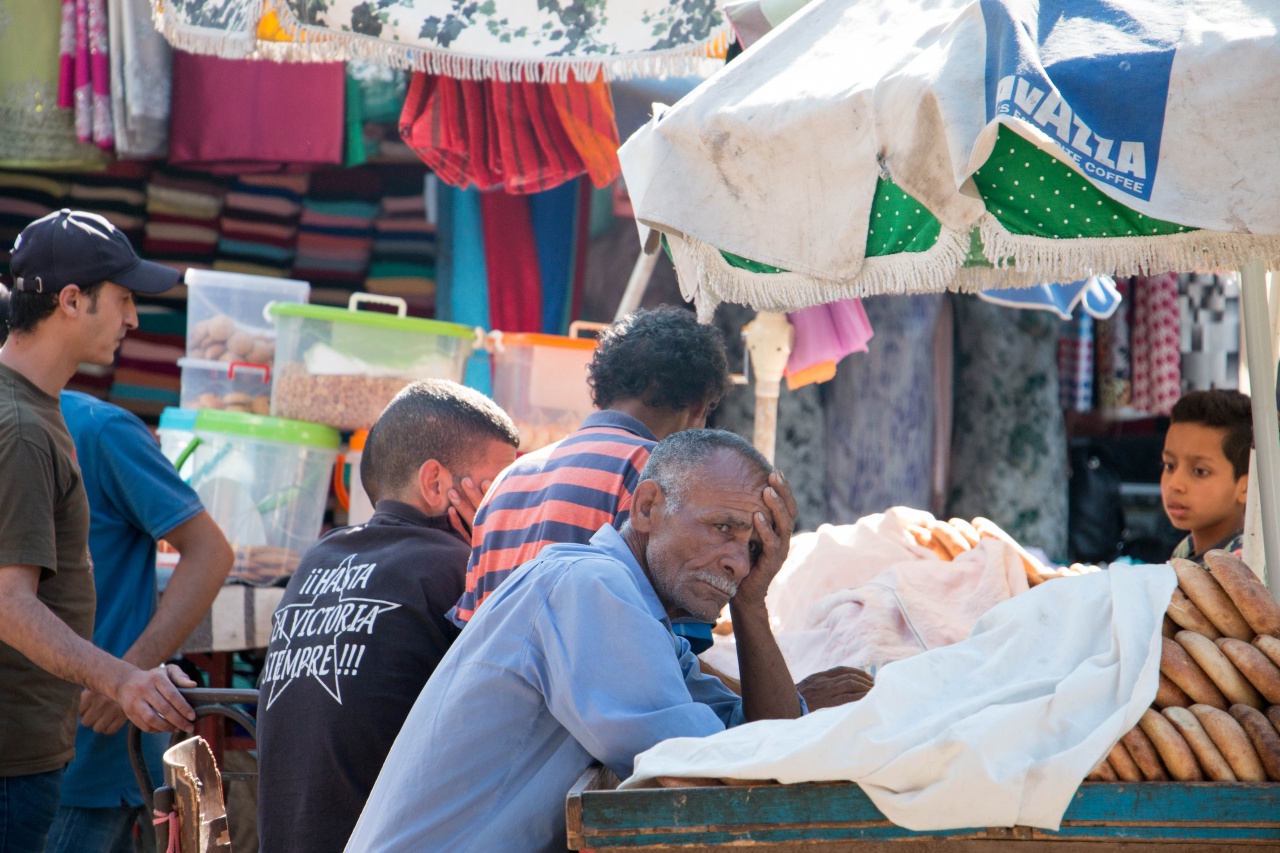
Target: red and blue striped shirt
x,y
562,493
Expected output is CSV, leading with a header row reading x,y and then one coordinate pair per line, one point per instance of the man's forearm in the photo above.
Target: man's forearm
x,y
200,573
768,691
29,626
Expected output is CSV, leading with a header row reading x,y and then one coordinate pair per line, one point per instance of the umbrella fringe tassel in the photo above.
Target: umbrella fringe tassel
x,y
707,279
299,42
1038,259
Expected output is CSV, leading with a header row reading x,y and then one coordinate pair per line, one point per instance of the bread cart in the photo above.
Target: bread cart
x,y
1172,817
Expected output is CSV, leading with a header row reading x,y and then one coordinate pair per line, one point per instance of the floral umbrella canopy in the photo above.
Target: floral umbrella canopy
x,y
533,40
855,149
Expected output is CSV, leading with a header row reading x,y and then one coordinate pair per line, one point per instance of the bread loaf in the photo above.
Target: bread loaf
x,y
1173,748
1122,762
1263,735
1187,674
1144,754
1273,714
1215,767
1103,772
1214,603
1255,666
687,782
1215,664
966,530
948,537
1186,615
1247,593
1230,739
1170,695
1168,627
1269,646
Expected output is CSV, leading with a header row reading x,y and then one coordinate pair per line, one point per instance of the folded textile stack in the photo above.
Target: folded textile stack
x,y
404,248
336,232
23,198
121,198
147,377
258,232
182,220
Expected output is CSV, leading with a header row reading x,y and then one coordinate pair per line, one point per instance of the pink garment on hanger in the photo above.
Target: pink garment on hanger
x,y
824,335
1157,360
84,70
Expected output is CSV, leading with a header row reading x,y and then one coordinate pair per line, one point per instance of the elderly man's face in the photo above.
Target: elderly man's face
x,y
701,550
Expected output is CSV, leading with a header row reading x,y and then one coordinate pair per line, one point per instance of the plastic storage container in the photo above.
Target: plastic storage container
x,y
347,483
541,382
177,428
341,367
265,481
236,386
226,319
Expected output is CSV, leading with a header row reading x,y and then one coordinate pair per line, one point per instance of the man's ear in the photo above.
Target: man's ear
x,y
1242,489
71,299
645,500
434,483
698,413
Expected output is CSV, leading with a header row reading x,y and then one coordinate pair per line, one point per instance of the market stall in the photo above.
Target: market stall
x,y
911,131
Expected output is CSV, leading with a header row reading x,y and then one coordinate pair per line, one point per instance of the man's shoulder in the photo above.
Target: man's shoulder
x,y
87,416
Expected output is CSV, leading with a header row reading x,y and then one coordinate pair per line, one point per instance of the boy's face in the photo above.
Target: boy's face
x,y
1199,489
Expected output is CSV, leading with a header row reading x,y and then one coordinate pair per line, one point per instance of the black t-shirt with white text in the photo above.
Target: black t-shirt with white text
x,y
359,631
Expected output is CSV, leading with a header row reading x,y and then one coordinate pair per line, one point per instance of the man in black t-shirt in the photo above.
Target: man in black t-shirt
x,y
362,623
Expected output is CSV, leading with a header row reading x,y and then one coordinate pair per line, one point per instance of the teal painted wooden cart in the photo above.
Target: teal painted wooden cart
x,y
1167,817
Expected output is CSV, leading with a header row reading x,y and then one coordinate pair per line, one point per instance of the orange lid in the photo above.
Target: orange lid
x,y
358,438
533,339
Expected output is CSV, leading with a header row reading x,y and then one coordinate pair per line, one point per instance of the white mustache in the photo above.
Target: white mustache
x,y
718,581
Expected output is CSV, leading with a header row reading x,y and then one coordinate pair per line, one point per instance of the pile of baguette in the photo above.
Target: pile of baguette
x,y
949,539
1217,711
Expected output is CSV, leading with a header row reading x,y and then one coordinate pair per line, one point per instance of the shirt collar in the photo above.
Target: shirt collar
x,y
413,515
611,542
618,420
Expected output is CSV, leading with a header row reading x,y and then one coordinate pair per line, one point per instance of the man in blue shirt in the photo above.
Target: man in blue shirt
x,y
572,659
135,498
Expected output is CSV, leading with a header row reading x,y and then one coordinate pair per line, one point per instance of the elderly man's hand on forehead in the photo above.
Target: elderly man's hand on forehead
x,y
773,527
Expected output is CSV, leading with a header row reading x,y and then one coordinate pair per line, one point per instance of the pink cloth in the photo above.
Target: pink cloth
x,y
84,70
235,116
1155,351
827,333
865,594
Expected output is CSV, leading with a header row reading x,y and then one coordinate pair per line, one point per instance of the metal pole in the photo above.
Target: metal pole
x,y
769,338
637,284
1256,317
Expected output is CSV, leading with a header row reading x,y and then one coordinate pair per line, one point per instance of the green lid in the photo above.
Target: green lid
x,y
330,314
263,428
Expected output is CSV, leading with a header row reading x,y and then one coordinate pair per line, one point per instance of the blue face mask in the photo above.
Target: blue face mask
x,y
697,633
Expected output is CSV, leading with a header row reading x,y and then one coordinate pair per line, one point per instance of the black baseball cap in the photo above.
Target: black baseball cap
x,y
74,247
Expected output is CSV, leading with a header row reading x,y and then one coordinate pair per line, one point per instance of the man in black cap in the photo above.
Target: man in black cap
x,y
72,302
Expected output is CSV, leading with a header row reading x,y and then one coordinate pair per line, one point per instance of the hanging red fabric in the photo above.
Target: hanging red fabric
x,y
511,258
523,137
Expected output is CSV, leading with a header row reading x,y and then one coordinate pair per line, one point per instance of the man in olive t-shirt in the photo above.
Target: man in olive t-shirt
x,y
72,302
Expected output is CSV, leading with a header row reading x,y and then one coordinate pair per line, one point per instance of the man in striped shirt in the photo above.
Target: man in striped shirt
x,y
655,373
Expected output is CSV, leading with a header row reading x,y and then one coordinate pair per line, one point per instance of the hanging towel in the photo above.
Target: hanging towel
x,y
1075,364
511,257
825,334
524,137
239,116
1157,373
554,217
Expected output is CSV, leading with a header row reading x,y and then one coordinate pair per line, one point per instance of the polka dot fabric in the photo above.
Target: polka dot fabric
x,y
1036,194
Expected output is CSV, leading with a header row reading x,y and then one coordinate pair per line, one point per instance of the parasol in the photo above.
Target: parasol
x,y
530,40
852,150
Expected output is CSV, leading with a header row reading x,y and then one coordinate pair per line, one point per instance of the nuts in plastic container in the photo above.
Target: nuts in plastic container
x,y
344,401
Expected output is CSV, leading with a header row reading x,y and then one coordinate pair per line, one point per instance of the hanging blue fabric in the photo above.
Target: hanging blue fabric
x,y
462,272
554,214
